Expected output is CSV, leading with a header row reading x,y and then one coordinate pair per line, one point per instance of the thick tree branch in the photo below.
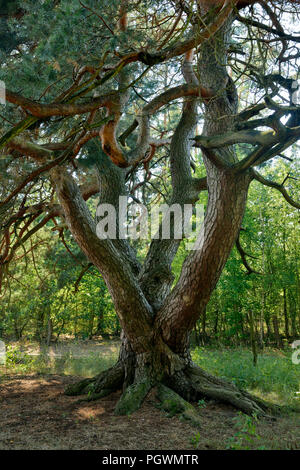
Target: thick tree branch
x,y
252,111
253,137
258,177
41,110
205,263
269,29
25,147
243,257
156,277
134,315
110,145
264,153
180,91
207,31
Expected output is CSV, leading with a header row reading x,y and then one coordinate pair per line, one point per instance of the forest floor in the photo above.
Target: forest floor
x,y
35,414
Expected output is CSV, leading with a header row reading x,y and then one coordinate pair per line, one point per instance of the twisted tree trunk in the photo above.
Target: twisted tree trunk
x,y
155,338
156,320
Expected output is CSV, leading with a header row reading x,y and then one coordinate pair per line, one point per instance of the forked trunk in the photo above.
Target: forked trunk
x,y
156,320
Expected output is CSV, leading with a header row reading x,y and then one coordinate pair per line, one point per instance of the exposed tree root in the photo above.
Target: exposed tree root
x,y
95,396
194,383
174,404
189,384
224,391
99,386
133,397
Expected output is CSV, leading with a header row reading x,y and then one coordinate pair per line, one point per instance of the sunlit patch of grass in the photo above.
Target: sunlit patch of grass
x,y
85,366
275,377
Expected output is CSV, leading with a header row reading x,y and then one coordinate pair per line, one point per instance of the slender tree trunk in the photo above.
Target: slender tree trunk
x,y
91,325
253,339
276,331
17,333
59,331
261,321
216,325
39,331
99,322
285,314
268,324
203,327
292,308
263,294
49,331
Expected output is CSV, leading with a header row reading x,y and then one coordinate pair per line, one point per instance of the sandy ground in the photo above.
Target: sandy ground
x,y
34,414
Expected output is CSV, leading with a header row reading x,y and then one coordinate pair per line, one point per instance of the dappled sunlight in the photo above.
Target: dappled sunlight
x,y
89,413
69,360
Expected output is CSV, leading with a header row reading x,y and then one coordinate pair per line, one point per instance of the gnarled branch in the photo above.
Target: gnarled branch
x,y
258,177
